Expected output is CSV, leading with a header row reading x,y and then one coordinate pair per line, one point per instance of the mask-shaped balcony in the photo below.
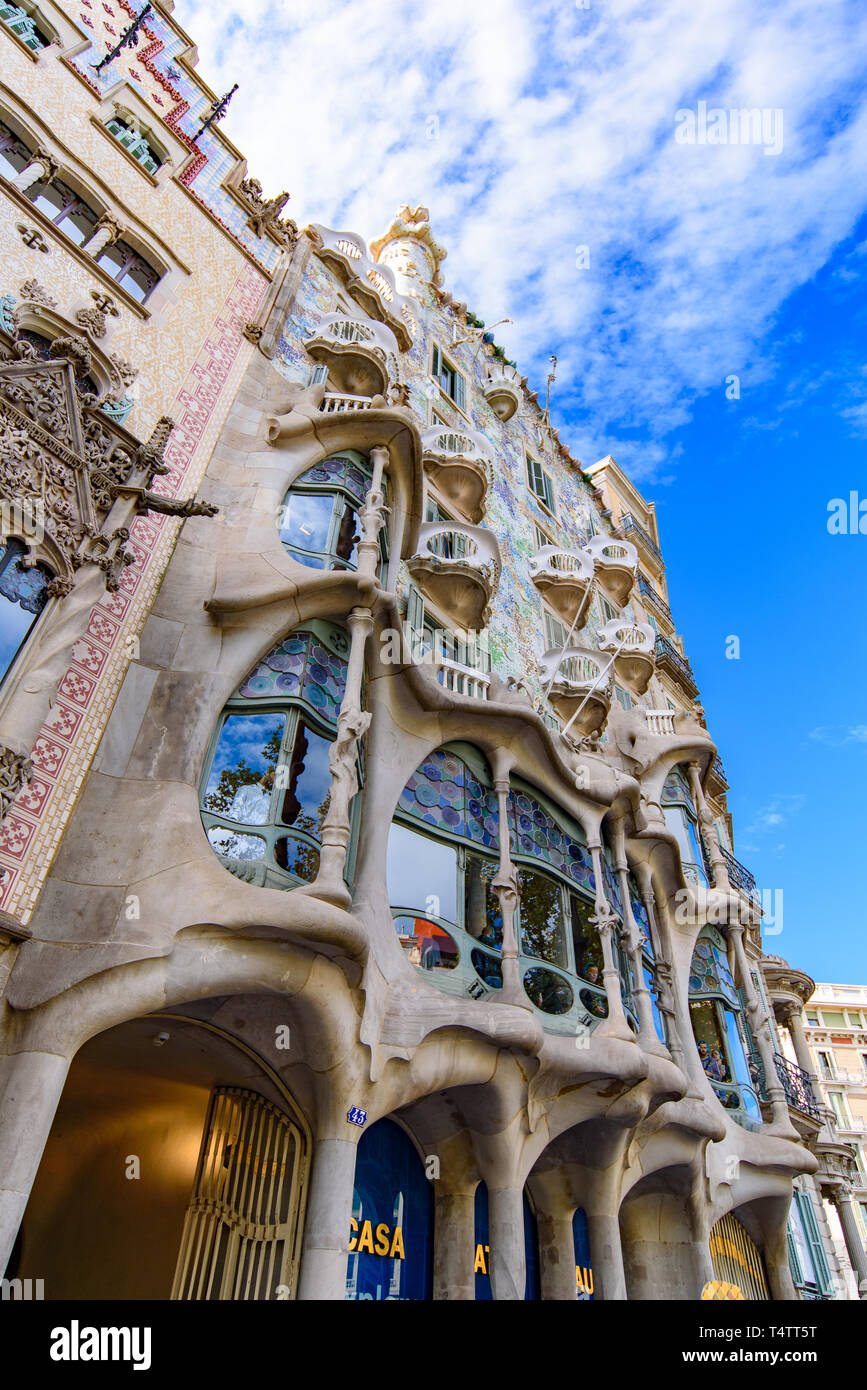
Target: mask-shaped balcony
x,y
634,644
457,567
565,578
616,566
356,352
580,684
503,389
460,462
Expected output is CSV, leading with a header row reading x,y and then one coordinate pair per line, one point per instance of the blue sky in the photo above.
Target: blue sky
x,y
531,130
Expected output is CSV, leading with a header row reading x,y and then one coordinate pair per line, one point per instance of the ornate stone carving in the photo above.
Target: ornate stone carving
x,y
37,294
265,213
15,773
32,237
126,372
253,332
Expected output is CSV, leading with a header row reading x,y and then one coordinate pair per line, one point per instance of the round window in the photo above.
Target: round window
x,y
426,944
549,992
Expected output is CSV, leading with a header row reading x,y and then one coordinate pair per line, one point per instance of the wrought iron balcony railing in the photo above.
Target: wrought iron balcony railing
x,y
668,655
659,603
719,771
629,525
798,1087
739,877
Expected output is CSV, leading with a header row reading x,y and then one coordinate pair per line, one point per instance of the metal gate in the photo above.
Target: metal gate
x,y
736,1258
240,1226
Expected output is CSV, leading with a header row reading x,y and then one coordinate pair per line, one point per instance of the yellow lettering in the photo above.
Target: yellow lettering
x,y
397,1245
382,1240
584,1279
480,1267
353,1226
366,1240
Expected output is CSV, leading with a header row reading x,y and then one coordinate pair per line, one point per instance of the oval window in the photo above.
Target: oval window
x,y
426,944
594,1002
549,992
488,968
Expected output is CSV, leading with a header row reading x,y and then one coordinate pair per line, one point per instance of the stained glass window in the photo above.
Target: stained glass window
x,y
319,522
719,1028
534,833
444,793
270,764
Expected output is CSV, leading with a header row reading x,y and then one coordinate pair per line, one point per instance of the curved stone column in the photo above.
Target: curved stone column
x,y
325,1248
32,1084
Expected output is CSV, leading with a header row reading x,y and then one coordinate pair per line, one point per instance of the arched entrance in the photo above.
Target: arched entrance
x,y
176,1167
737,1259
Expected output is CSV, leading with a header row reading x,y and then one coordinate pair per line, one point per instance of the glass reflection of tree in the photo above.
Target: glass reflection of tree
x,y
482,916
541,925
220,799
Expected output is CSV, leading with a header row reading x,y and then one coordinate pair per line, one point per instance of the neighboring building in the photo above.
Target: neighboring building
x,y
372,925
824,1046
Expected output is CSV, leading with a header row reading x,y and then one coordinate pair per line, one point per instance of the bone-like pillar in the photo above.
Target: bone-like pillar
x,y
507,888
718,865
508,1253
609,1277
454,1242
605,920
556,1253
31,1084
631,941
325,1248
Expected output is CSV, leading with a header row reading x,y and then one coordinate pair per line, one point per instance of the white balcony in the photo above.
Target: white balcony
x,y
503,390
565,578
458,568
371,285
462,680
356,352
579,685
616,566
660,722
335,402
635,658
461,463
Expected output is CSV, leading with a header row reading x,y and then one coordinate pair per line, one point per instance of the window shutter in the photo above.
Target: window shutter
x,y
437,362
460,392
318,374
794,1262
414,621
548,488
814,1236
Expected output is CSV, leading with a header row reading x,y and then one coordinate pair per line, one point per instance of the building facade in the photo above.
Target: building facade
x,y
372,926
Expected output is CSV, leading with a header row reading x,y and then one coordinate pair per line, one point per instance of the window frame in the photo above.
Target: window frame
x,y
441,366
338,492
548,501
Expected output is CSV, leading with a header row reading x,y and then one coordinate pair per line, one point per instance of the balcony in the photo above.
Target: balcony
x,y
660,722
578,683
647,591
356,352
717,775
616,565
798,1088
371,285
634,531
335,402
669,659
739,877
634,661
503,390
461,463
457,567
565,578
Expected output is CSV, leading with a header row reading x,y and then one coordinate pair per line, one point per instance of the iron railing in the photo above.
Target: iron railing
x,y
647,589
628,523
739,877
798,1087
719,771
666,652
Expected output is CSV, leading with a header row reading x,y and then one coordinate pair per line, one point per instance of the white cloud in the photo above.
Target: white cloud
x,y
836,735
778,810
556,129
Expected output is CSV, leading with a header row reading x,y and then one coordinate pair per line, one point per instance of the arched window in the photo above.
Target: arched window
x,y
681,820
391,1229
319,520
23,595
131,271
14,153
65,208
266,783
721,1032
443,856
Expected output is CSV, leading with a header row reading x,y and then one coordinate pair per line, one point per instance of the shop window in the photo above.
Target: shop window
x,y
131,271
319,523
722,1036
23,595
482,1261
265,792
65,208
583,1260
737,1259
391,1228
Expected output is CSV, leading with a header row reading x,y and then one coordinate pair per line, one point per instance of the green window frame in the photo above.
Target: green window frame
x,y
134,143
450,381
817,1279
541,485
345,479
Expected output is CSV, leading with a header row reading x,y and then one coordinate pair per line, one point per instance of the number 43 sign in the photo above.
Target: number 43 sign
x,y
356,1116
